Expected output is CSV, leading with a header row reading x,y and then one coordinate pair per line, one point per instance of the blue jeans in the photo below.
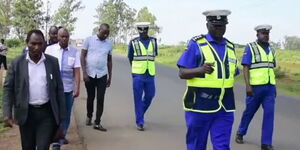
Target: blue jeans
x,y
69,104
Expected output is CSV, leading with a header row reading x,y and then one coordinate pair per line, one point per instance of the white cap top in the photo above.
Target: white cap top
x,y
263,27
142,24
217,13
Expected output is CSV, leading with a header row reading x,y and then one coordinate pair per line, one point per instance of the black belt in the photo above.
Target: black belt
x,y
46,105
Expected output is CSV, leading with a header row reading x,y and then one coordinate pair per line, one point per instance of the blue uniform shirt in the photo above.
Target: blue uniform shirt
x,y
191,58
247,57
145,43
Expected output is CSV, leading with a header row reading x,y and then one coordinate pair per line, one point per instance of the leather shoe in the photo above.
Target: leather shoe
x,y
140,127
88,121
239,139
99,127
266,147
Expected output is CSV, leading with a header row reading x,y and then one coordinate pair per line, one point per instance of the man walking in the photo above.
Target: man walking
x,y
33,90
209,65
96,63
259,63
69,62
3,53
141,54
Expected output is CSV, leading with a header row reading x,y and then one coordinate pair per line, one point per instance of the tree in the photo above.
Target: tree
x,y
64,16
145,16
5,17
27,15
119,16
291,42
275,45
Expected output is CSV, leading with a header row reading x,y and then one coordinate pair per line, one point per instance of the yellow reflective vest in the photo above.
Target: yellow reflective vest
x,y
220,80
262,65
143,58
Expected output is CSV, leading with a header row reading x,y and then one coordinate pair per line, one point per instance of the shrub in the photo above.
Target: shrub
x,y
14,42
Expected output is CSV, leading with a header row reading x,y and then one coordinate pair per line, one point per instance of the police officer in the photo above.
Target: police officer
x,y
259,63
141,54
209,65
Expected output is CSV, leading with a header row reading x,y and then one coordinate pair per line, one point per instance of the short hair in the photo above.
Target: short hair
x,y
104,24
34,31
2,40
55,27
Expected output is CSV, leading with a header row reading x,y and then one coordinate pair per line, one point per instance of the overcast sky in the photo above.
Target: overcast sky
x,y
182,19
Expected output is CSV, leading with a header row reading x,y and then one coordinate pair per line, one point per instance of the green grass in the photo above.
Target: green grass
x,y
287,71
11,54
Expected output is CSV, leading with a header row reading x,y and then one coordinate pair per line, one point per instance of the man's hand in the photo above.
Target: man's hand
x,y
86,77
8,122
249,90
207,68
76,93
108,82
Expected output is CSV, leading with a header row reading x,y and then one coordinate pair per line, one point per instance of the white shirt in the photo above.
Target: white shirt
x,y
68,60
96,59
38,90
3,49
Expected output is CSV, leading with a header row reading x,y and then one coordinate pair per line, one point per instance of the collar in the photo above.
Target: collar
x,y
99,39
43,58
209,38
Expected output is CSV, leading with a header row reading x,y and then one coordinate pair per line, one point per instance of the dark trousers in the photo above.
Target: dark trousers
x,y
3,61
39,128
92,86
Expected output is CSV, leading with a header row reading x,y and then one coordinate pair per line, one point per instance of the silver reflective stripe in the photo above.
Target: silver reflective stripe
x,y
151,58
153,43
262,65
137,47
256,52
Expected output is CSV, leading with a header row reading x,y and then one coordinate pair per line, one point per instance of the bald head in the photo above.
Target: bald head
x,y
63,37
53,35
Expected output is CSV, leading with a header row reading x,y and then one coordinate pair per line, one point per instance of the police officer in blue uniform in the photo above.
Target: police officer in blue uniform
x,y
141,54
209,65
259,62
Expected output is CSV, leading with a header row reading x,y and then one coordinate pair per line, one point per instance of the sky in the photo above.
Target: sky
x,y
180,20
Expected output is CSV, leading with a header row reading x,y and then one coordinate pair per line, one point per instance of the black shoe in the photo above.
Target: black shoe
x,y
56,147
99,127
65,141
140,127
239,139
266,147
88,121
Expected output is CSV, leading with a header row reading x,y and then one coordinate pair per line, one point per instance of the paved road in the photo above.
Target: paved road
x,y
165,125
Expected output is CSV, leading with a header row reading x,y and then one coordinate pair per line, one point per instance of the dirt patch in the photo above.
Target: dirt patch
x,y
10,140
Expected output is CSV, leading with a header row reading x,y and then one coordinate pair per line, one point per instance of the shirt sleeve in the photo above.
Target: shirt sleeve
x,y
247,57
130,51
86,44
190,57
77,59
110,49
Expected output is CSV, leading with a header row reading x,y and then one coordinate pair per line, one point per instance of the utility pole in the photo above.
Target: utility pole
x,y
47,19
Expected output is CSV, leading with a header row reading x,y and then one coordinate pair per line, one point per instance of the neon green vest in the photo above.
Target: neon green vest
x,y
262,65
222,77
143,59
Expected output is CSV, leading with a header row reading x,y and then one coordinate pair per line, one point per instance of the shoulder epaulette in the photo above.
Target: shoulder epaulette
x,y
198,37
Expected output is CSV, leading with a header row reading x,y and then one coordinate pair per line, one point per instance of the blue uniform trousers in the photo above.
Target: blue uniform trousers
x,y
263,95
199,125
143,91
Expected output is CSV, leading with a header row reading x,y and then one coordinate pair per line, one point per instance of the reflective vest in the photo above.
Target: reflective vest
x,y
262,65
143,58
205,92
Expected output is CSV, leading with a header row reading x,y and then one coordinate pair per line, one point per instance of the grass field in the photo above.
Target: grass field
x,y
287,71
11,54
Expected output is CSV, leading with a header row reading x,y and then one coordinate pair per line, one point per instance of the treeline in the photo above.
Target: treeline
x,y
17,17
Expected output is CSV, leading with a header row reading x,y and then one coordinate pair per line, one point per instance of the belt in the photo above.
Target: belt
x,y
46,105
